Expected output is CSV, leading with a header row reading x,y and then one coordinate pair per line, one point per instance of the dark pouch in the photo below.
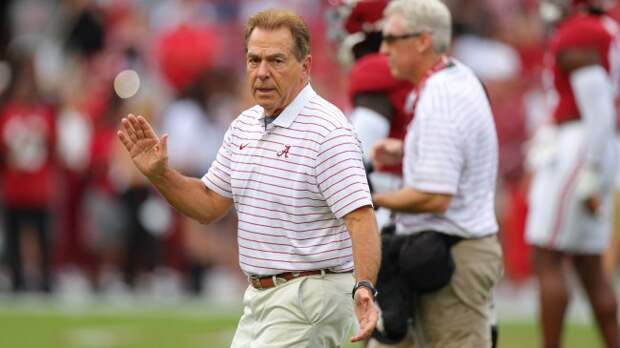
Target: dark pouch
x,y
418,263
425,261
394,298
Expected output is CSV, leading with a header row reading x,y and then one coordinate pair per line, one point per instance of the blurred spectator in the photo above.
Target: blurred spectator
x,y
86,29
184,53
5,29
27,130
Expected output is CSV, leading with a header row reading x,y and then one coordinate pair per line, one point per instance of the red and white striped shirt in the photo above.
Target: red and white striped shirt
x,y
292,183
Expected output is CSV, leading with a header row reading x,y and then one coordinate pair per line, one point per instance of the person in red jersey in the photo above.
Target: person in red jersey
x,y
27,143
574,167
378,99
379,112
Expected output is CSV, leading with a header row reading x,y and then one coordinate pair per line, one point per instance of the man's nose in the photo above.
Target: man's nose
x,y
262,72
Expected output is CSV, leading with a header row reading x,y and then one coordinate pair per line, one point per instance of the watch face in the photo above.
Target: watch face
x,y
366,284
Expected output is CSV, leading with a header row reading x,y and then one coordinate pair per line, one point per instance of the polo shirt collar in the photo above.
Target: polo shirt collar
x,y
290,112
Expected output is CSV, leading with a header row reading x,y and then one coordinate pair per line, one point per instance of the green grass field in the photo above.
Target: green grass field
x,y
56,327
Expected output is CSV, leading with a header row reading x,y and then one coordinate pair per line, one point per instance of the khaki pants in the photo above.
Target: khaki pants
x,y
313,311
457,315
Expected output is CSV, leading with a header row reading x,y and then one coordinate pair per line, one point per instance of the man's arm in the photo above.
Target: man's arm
x,y
362,226
409,200
191,196
149,153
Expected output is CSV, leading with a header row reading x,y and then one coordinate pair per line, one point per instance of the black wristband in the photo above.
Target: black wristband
x,y
366,284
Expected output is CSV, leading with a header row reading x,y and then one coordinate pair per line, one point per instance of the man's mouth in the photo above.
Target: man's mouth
x,y
264,89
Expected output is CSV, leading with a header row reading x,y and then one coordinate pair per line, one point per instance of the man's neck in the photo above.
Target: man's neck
x,y
425,66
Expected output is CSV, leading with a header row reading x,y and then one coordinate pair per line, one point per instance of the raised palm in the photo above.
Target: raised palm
x,y
147,150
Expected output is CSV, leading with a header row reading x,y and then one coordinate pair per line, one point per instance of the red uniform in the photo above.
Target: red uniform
x,y
27,139
583,30
556,217
371,74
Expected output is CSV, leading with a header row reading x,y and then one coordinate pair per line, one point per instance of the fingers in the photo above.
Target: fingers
x,y
367,316
164,144
367,326
125,140
137,127
375,155
128,128
146,128
394,146
376,149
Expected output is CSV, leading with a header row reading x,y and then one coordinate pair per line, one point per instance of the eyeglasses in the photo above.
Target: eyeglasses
x,y
390,39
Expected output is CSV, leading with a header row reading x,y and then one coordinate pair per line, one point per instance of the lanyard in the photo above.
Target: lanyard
x,y
443,63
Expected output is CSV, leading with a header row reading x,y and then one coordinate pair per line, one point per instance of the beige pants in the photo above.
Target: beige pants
x,y
458,315
314,311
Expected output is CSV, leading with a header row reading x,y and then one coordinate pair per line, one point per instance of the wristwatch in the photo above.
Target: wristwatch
x,y
366,284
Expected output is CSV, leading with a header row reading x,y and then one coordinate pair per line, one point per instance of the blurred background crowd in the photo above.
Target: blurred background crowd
x,y
91,221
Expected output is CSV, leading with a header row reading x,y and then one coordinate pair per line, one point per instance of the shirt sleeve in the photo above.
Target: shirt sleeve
x,y
217,177
340,173
437,153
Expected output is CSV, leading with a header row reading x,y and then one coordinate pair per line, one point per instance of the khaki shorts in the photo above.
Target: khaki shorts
x,y
313,311
458,315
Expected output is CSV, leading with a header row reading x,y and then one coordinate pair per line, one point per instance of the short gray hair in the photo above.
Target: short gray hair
x,y
431,16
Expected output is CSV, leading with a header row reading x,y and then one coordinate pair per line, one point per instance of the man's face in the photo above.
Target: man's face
x,y
274,73
400,48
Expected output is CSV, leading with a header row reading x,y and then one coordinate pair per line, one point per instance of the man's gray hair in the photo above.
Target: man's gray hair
x,y
431,16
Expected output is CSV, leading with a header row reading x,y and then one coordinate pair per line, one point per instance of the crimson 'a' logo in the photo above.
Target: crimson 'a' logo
x,y
284,151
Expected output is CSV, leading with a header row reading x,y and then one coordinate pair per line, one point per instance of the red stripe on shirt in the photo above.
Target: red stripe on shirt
x,y
290,229
288,237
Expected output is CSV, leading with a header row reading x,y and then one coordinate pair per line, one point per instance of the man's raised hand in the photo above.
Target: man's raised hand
x,y
148,151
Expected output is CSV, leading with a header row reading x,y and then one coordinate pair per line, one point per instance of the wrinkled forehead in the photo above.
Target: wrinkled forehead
x,y
264,42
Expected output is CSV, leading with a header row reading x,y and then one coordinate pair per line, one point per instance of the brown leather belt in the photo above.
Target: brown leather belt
x,y
266,282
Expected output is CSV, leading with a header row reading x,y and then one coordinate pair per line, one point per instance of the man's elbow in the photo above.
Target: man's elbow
x,y
204,220
440,204
208,218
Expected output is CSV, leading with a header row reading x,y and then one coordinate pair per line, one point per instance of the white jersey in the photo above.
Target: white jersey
x,y
451,148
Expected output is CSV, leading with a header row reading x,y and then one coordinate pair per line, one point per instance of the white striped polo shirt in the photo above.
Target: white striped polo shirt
x,y
292,183
451,147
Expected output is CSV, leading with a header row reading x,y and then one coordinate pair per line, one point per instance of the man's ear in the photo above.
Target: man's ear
x,y
425,42
306,65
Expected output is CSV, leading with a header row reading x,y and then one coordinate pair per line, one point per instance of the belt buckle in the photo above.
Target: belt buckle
x,y
255,281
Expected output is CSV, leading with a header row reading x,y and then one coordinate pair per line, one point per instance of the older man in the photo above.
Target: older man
x,y
449,168
292,166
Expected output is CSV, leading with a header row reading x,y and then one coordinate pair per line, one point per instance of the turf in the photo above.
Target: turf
x,y
56,328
